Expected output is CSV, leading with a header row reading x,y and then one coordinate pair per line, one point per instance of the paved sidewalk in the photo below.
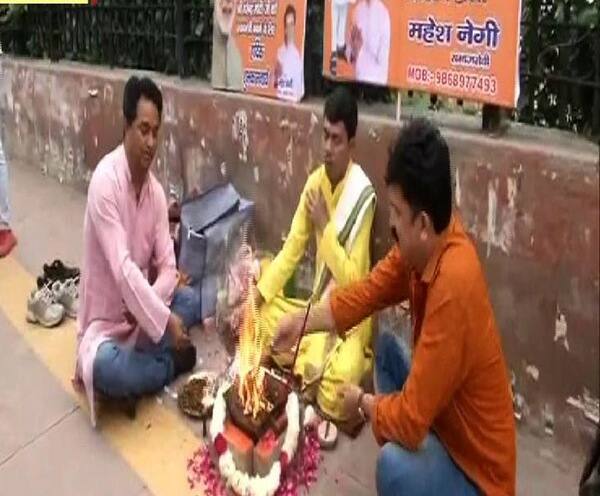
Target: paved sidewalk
x,y
47,445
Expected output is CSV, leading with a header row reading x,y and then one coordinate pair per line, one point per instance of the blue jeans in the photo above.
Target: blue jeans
x,y
428,471
121,371
187,303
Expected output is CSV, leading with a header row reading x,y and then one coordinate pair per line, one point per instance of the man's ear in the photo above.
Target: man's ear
x,y
352,143
425,225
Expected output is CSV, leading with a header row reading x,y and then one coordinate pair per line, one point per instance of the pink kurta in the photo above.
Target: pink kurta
x,y
123,238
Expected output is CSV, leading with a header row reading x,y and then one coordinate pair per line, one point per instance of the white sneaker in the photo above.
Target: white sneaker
x,y
67,294
42,309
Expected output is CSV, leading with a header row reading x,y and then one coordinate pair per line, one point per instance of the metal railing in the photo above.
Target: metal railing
x,y
559,62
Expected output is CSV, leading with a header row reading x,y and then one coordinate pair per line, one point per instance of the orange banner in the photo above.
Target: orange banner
x,y
258,47
462,48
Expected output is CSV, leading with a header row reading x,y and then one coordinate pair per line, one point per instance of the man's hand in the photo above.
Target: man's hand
x,y
353,397
131,320
278,73
349,394
317,209
183,279
320,319
288,332
177,329
356,42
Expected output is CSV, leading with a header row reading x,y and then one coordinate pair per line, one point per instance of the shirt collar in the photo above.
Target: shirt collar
x,y
434,261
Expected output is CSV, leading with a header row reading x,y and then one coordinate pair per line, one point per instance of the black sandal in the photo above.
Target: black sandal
x,y
58,271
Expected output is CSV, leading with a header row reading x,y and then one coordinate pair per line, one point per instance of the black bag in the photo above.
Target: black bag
x,y
211,225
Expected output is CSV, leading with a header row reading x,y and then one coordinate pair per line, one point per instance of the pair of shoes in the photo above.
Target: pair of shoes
x,y
42,309
7,242
66,293
57,271
49,304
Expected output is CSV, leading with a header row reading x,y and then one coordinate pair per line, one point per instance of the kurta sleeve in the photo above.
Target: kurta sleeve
x,y
387,284
163,257
150,311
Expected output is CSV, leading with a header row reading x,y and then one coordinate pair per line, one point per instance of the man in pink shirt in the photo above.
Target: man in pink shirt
x,y
130,342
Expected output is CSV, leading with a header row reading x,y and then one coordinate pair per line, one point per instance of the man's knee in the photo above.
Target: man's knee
x,y
393,469
186,304
108,378
385,340
389,343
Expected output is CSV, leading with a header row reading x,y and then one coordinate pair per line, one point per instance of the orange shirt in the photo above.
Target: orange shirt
x,y
458,383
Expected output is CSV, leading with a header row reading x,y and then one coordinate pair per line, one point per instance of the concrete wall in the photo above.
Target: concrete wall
x,y
529,199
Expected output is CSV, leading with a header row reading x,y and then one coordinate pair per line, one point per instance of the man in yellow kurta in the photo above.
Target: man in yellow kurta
x,y
338,206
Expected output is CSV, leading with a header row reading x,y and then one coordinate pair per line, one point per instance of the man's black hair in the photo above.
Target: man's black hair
x,y
290,9
340,106
136,88
419,164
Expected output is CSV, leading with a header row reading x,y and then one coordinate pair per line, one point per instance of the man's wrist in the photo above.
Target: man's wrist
x,y
170,322
365,404
173,323
320,318
321,225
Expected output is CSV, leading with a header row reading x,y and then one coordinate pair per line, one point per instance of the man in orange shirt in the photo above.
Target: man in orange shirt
x,y
445,421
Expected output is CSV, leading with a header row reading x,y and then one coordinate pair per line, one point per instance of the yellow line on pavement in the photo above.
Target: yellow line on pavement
x,y
156,444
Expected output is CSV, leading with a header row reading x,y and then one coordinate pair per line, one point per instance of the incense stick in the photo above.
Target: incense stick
x,y
300,337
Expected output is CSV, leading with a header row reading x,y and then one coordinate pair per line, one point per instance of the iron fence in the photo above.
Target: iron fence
x,y
559,59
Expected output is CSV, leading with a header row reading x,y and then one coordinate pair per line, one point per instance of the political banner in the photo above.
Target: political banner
x,y
462,48
258,47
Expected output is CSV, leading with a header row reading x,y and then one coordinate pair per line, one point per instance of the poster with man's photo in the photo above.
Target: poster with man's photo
x,y
464,49
258,47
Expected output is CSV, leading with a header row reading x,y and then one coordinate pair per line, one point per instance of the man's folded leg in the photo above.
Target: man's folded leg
x,y
428,471
347,363
123,372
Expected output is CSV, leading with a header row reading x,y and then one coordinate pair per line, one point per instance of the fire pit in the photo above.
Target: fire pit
x,y
255,427
270,414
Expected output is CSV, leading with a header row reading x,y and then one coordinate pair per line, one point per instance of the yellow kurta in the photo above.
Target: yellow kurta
x,y
322,356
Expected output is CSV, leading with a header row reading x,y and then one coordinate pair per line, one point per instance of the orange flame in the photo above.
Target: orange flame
x,y
252,377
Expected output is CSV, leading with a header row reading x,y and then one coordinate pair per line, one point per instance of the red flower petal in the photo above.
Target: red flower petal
x,y
220,444
284,460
